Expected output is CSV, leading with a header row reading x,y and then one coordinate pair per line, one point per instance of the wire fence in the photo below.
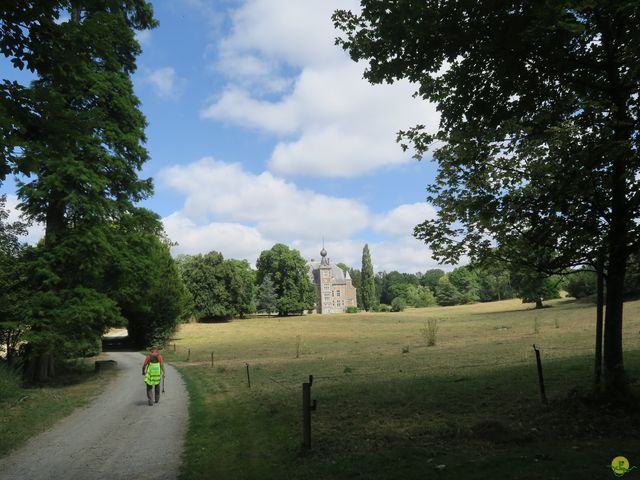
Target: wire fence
x,y
257,376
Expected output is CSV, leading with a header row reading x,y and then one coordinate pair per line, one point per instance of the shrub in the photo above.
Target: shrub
x,y
398,304
430,332
9,382
581,284
384,308
351,309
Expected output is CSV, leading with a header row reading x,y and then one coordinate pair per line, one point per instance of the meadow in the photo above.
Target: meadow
x,y
390,406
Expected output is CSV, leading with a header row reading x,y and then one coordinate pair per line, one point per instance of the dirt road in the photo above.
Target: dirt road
x,y
117,436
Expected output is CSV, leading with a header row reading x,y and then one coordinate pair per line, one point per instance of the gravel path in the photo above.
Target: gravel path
x,y
117,436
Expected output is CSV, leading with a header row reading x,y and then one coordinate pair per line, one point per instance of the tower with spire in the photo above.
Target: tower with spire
x,y
334,290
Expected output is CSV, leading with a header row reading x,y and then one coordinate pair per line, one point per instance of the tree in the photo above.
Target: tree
x,y
75,136
466,282
398,304
446,293
539,114
494,283
220,289
581,284
356,281
290,276
12,283
369,299
430,278
266,297
533,287
144,279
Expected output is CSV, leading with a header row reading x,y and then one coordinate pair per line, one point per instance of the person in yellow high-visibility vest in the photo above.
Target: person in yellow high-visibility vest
x,y
153,371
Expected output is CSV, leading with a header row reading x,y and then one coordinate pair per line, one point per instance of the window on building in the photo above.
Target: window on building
x,y
337,293
327,286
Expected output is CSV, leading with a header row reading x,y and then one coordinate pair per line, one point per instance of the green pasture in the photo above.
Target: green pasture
x,y
391,407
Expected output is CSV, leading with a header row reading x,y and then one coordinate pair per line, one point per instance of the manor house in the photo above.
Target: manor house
x,y
334,290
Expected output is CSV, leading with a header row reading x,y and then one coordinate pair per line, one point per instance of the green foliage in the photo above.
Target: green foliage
x,y
581,284
220,289
289,273
146,283
537,142
395,283
266,298
466,282
398,304
534,288
75,140
356,281
70,319
446,293
369,298
351,309
494,283
13,289
10,384
343,267
430,278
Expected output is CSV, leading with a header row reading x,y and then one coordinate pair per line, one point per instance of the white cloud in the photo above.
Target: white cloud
x,y
401,220
404,255
278,208
231,239
165,82
35,232
332,122
239,214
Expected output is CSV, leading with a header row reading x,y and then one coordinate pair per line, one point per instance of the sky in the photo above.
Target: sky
x,y
262,131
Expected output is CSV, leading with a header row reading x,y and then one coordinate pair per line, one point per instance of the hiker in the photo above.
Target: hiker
x,y
152,369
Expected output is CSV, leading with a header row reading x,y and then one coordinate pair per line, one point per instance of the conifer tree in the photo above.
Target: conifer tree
x,y
75,135
266,297
369,300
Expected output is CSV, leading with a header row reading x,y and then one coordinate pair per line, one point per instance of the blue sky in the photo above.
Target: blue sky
x,y
261,130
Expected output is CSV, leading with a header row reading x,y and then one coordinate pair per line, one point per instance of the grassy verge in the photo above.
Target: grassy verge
x,y
25,412
467,407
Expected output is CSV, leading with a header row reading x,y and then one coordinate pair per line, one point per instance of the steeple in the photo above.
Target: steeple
x,y
323,254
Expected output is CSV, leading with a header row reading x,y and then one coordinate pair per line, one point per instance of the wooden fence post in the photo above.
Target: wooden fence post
x,y
543,395
307,408
248,376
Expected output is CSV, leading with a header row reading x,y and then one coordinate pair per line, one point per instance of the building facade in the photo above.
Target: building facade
x,y
334,290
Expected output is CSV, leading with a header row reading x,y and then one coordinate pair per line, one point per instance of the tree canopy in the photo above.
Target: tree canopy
x,y
537,139
74,137
290,276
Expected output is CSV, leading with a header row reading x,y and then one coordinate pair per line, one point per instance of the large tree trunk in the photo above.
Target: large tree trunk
x,y
40,367
599,325
619,152
614,376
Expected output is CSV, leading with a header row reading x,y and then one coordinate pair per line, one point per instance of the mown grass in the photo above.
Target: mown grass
x,y
468,407
25,412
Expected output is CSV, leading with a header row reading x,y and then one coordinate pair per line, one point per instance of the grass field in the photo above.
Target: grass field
x,y
25,412
391,407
